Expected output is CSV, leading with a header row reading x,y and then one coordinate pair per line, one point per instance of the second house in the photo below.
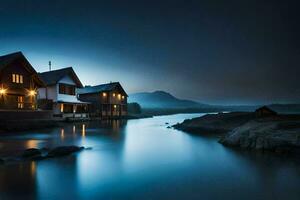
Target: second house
x,y
60,95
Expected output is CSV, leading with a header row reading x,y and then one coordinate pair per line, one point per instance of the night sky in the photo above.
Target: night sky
x,y
218,52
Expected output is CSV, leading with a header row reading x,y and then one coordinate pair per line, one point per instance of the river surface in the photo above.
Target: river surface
x,y
143,159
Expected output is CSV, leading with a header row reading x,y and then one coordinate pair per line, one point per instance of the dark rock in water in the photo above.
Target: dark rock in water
x,y
271,135
220,123
167,123
45,149
63,151
169,127
88,148
32,153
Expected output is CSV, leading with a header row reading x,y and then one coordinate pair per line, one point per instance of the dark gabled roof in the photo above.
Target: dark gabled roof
x,y
101,88
6,60
266,108
52,77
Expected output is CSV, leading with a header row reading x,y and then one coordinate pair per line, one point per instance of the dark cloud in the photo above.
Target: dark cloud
x,y
212,51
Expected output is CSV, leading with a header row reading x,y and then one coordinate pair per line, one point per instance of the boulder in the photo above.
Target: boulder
x,y
265,134
32,153
221,123
64,151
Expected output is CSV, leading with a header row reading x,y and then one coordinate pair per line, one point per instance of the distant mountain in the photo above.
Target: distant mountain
x,y
161,102
161,99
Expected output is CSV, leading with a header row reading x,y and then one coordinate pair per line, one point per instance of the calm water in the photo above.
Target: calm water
x,y
142,159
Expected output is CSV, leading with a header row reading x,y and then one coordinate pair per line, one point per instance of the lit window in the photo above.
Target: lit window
x,y
20,102
62,107
114,94
104,94
123,97
115,106
17,78
119,96
13,78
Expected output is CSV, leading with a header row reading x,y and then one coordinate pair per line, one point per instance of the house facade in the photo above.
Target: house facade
x,y
19,83
60,94
107,100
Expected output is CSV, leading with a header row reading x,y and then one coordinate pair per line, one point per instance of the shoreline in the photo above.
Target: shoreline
x,y
244,130
35,124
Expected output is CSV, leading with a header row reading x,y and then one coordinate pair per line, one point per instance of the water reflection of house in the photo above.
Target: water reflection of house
x,y
19,82
18,181
107,100
60,95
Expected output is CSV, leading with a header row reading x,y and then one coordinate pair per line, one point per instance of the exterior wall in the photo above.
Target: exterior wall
x,y
264,113
10,99
94,99
64,97
108,105
79,112
50,92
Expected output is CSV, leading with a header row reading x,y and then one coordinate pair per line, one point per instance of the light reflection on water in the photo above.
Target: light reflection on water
x,y
142,159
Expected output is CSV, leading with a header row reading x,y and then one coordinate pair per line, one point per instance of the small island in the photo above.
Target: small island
x,y
263,129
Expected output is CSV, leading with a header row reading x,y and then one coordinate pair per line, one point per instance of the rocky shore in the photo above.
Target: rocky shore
x,y
220,123
34,154
280,133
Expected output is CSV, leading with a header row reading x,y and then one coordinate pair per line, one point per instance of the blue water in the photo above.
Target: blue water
x,y
143,159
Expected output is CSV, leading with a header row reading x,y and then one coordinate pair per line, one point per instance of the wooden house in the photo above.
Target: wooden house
x,y
265,111
18,83
107,100
60,94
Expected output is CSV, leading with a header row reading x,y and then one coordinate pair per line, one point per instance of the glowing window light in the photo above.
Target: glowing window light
x,y
2,91
123,97
119,96
104,94
32,92
62,107
13,78
114,94
115,106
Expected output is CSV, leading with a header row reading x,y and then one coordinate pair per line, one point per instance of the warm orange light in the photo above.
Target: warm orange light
x,y
104,94
83,130
119,96
62,107
123,97
32,93
114,94
2,91
62,133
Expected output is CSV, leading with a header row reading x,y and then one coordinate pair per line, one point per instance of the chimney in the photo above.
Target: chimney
x,y
49,65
